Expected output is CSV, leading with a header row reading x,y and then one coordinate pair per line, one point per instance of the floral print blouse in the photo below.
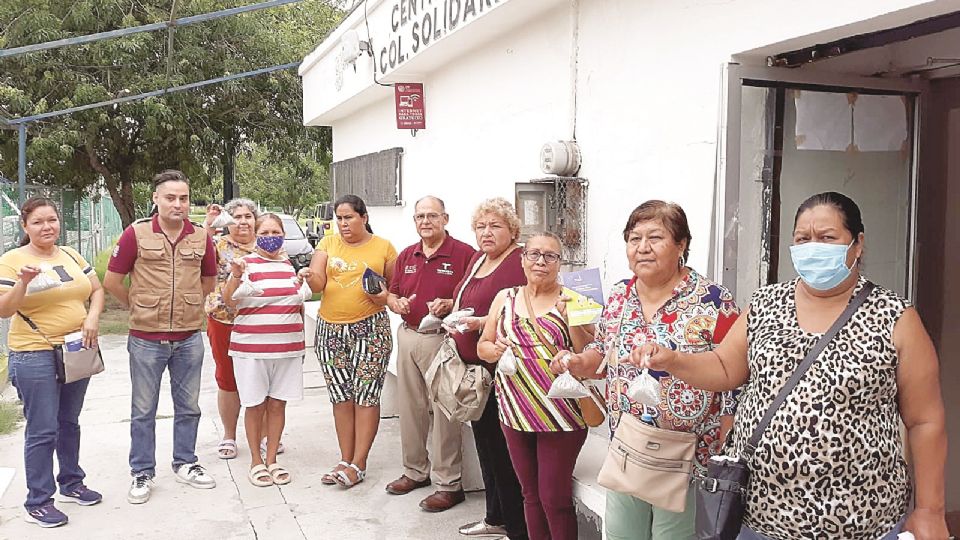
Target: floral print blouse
x,y
227,250
695,319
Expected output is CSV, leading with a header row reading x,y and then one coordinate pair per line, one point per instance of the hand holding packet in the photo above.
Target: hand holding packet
x,y
566,386
222,220
247,289
508,363
43,281
453,320
429,323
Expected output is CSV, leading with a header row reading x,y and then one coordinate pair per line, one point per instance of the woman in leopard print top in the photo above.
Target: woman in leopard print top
x,y
830,463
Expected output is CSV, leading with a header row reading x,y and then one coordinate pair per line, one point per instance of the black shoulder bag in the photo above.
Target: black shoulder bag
x,y
722,492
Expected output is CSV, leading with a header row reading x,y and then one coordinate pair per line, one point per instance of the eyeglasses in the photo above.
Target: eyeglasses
x,y
432,216
548,257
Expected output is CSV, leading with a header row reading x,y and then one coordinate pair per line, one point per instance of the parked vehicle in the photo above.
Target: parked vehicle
x,y
295,242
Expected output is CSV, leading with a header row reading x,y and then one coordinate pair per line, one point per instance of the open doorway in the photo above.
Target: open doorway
x,y
881,125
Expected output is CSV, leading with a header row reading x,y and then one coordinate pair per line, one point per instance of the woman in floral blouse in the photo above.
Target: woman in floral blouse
x,y
671,304
240,240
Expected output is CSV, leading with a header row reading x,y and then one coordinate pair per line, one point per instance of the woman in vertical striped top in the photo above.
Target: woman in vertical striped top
x,y
267,344
544,435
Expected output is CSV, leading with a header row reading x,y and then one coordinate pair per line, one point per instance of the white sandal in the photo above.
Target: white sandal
x,y
227,449
260,476
279,475
345,480
330,478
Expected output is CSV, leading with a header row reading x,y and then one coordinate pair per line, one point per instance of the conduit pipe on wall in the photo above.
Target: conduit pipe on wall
x,y
574,67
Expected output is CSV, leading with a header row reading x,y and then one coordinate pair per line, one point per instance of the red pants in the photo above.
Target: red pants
x,y
544,463
219,334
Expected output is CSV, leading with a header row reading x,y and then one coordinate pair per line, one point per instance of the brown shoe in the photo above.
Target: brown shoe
x,y
442,500
405,484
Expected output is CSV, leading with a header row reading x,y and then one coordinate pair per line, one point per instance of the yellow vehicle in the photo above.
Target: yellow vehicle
x,y
321,224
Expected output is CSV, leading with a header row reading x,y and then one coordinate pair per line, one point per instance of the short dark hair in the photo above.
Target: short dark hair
x,y
269,216
29,206
358,206
169,175
852,219
672,216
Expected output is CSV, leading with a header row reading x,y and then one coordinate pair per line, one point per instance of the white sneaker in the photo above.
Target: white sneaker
x,y
195,475
140,489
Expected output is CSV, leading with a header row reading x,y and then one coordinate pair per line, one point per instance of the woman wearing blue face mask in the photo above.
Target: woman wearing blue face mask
x,y
266,343
829,464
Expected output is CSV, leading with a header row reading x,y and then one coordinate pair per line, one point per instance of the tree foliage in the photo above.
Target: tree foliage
x,y
292,185
193,131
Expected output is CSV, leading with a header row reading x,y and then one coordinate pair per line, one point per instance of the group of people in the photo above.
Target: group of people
x,y
829,465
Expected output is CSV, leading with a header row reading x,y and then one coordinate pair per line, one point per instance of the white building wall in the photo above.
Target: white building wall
x,y
648,95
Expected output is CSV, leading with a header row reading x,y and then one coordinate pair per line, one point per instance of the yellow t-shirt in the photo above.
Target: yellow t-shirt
x,y
57,311
343,298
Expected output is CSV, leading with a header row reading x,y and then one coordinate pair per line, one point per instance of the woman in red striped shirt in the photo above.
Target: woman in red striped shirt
x,y
267,344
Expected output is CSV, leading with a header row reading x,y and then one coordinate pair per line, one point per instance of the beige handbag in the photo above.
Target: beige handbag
x,y
649,463
460,390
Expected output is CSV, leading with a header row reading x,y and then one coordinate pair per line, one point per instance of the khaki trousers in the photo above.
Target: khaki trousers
x,y
415,352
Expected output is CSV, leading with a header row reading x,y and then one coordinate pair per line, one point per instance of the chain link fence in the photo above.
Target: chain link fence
x,y
90,224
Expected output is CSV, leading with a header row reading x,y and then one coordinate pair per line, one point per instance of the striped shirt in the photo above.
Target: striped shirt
x,y
524,405
270,325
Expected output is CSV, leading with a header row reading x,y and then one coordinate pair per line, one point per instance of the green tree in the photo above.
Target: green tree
x,y
293,185
196,131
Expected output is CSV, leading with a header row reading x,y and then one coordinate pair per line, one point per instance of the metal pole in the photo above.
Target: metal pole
x,y
194,19
22,162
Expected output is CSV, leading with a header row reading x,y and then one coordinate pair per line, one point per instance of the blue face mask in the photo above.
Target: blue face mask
x,y
821,266
270,244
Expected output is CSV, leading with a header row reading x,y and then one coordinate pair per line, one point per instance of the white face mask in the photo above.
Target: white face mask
x,y
821,266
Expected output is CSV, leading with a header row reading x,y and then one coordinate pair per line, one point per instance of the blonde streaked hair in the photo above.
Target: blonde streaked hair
x,y
501,208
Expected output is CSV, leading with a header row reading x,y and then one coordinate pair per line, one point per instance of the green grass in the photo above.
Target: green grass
x,y
10,416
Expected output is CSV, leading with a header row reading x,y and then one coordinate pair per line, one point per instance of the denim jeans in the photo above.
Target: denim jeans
x,y
148,360
52,411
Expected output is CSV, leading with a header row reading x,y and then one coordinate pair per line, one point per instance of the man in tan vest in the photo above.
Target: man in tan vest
x,y
172,267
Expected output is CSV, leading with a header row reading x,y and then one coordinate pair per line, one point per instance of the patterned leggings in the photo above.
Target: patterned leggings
x,y
353,358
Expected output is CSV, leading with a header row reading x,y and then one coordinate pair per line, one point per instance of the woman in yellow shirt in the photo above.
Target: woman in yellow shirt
x,y
353,333
52,409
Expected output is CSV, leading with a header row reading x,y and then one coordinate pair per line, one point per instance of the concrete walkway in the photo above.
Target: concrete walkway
x,y
303,509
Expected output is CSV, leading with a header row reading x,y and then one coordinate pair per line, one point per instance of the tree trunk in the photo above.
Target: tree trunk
x,y
121,191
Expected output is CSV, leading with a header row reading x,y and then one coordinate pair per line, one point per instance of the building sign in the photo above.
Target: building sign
x,y
410,109
415,24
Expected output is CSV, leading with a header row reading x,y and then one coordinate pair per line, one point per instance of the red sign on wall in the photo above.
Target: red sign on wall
x,y
410,108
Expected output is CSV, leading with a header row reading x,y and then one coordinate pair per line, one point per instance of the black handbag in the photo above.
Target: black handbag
x,y
372,282
722,491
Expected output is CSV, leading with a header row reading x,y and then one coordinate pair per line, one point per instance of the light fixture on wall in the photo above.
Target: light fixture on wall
x,y
351,47
561,158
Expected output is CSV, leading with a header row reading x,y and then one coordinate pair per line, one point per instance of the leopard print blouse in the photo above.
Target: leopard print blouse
x,y
830,463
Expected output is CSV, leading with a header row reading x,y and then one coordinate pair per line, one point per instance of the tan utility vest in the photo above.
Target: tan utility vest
x,y
165,293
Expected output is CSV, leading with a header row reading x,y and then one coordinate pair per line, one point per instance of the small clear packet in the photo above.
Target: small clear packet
x,y
43,281
566,386
247,289
222,220
644,389
507,365
429,323
453,320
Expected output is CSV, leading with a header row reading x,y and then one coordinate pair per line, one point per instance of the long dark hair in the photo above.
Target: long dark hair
x,y
28,207
848,209
358,206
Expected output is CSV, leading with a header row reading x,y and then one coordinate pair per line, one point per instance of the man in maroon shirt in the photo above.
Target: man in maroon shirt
x,y
425,275
172,267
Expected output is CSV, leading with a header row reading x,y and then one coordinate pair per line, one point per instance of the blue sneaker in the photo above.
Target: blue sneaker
x,y
81,495
46,516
